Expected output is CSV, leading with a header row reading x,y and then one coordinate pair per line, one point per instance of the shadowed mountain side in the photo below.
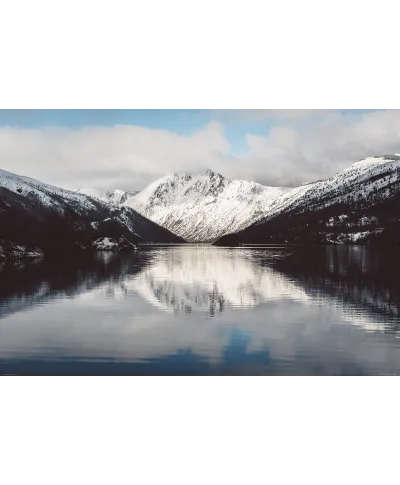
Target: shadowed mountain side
x,y
36,215
230,240
360,205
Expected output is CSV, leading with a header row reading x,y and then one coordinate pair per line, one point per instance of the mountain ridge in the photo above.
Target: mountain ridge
x,y
359,204
208,206
37,218
203,207
113,197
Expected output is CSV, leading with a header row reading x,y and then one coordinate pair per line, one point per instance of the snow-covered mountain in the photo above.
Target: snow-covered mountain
x,y
114,197
359,204
202,208
36,217
205,207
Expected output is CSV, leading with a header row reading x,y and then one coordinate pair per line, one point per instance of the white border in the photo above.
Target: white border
x,y
198,430
180,54
199,54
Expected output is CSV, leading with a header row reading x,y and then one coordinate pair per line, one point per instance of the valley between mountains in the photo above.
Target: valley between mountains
x,y
359,205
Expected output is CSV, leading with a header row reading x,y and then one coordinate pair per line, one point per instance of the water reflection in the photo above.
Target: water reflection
x,y
212,279
26,284
361,281
204,310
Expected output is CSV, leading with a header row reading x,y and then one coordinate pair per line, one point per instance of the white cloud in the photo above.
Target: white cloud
x,y
295,150
128,157
258,112
294,154
247,115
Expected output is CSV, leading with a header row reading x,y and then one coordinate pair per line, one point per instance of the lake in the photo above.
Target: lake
x,y
203,310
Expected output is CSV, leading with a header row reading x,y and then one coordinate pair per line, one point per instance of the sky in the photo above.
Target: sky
x,y
128,149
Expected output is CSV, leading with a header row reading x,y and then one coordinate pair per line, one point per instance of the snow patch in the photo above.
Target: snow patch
x,y
112,244
9,250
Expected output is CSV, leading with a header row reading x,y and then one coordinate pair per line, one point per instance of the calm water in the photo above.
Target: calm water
x,y
187,310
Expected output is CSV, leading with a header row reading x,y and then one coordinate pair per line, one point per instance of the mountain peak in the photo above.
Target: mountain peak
x,y
211,174
204,206
390,156
379,158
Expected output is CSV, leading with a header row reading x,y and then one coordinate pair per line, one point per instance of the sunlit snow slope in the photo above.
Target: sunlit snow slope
x,y
202,208
353,206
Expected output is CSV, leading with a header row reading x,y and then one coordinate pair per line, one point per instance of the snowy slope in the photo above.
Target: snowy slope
x,y
357,181
205,207
41,217
202,208
356,203
47,195
114,197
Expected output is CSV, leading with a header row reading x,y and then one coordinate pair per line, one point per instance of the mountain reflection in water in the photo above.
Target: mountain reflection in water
x,y
204,310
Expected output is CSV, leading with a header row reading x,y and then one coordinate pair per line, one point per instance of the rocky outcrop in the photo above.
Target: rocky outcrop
x,y
112,244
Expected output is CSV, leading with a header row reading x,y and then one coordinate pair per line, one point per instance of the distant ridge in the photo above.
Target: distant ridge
x,y
38,218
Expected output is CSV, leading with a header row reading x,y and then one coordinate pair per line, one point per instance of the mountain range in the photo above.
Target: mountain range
x,y
114,197
38,218
360,204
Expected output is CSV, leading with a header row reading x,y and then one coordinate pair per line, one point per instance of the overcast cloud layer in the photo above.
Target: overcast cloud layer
x,y
301,146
